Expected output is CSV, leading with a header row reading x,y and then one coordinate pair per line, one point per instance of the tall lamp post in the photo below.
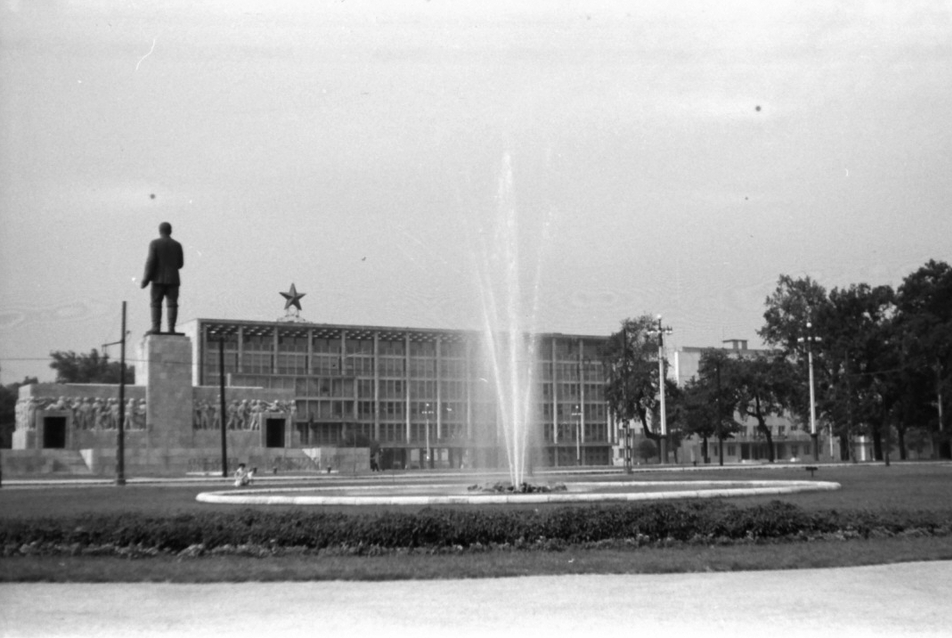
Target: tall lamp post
x,y
120,432
429,458
627,423
577,415
661,331
809,339
720,419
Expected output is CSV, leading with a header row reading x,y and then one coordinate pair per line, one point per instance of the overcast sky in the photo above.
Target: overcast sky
x,y
669,157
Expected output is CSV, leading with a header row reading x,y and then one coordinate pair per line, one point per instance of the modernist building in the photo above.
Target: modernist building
x,y
427,396
790,439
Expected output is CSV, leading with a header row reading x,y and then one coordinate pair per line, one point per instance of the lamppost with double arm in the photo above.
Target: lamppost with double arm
x,y
661,331
809,339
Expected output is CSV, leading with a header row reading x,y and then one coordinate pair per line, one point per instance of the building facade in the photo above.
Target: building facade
x,y
790,439
427,396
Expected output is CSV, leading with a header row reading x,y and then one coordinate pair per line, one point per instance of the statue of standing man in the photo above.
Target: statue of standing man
x,y
161,270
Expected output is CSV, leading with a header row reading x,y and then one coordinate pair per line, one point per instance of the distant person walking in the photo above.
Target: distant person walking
x,y
162,271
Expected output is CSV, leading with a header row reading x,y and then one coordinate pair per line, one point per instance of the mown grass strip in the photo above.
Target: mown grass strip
x,y
408,566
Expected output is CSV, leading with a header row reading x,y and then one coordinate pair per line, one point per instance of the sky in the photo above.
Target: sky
x,y
669,158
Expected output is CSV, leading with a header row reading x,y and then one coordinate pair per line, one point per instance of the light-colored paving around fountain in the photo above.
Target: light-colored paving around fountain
x,y
908,599
580,492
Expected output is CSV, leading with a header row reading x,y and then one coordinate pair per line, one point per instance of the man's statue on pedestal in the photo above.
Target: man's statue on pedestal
x,y
161,270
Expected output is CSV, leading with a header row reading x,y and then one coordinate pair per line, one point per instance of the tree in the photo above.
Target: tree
x,y
630,357
647,449
88,368
861,361
758,386
8,401
715,371
924,304
792,304
698,413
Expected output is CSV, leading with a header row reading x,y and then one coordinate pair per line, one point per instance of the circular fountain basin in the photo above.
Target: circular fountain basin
x,y
456,494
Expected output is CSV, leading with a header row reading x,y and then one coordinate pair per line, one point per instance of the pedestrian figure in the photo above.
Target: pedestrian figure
x,y
241,476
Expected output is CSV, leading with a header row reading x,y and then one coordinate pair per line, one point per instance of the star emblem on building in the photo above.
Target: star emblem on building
x,y
293,298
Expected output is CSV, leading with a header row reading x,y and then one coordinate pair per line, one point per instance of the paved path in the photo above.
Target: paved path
x,y
909,599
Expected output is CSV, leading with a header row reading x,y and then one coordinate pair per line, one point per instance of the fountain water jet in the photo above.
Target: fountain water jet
x,y
509,327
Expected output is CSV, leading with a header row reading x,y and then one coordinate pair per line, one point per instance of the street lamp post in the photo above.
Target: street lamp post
x,y
120,433
809,339
577,413
429,458
720,418
627,423
661,331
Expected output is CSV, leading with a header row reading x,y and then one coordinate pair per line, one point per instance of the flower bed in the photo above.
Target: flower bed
x,y
261,533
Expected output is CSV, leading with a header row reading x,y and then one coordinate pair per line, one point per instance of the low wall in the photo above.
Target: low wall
x,y
148,462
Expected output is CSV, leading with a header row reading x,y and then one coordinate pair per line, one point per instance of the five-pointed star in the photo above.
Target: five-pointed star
x,y
293,298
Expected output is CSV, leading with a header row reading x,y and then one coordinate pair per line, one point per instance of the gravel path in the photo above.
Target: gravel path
x,y
889,600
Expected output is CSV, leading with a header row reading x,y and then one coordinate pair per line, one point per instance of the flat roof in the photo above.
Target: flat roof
x,y
328,330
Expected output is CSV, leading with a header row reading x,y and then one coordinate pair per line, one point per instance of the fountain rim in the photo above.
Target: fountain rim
x,y
287,496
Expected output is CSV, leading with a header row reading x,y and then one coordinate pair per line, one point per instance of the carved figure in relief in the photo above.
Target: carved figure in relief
x,y
244,415
201,415
20,409
100,414
129,418
31,409
73,405
216,414
140,420
256,411
232,416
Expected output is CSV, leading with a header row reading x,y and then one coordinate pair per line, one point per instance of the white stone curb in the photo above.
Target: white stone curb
x,y
741,488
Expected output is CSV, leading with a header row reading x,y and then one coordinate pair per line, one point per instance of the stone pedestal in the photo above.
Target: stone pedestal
x,y
164,367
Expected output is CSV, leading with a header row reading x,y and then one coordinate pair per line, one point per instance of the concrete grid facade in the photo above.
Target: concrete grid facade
x,y
413,389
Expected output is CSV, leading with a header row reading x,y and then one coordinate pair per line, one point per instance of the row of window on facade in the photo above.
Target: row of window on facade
x,y
447,433
345,387
386,347
258,363
333,433
442,411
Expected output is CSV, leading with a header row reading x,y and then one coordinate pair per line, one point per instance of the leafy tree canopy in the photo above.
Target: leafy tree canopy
x,y
87,368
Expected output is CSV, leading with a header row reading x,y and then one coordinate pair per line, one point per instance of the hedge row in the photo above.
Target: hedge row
x,y
261,532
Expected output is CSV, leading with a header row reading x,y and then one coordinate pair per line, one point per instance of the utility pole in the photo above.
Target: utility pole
x,y
120,431
121,441
221,407
720,420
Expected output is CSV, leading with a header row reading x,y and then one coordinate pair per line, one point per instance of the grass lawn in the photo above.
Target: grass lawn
x,y
909,486
923,486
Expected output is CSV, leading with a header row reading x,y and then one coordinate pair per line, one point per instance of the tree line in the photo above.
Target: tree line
x,y
882,367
